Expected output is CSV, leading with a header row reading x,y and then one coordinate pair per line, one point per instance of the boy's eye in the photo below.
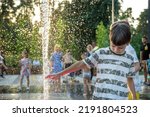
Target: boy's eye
x,y
120,48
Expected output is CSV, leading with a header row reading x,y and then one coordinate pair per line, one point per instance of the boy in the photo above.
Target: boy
x,y
25,64
114,66
144,56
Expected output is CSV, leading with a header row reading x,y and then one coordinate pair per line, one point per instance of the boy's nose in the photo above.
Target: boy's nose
x,y
115,49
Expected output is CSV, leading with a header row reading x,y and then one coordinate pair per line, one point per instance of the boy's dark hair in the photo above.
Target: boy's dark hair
x,y
145,37
120,33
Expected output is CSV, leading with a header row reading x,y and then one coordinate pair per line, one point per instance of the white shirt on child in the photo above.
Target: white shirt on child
x,y
25,62
112,73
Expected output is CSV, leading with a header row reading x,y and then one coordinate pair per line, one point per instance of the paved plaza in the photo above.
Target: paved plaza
x,y
71,89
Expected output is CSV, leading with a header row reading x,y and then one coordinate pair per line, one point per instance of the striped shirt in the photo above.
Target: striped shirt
x,y
112,73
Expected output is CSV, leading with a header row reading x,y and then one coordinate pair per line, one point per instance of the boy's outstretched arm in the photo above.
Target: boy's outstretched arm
x,y
131,87
75,67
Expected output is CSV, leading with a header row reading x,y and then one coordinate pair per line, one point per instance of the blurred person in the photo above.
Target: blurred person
x,y
25,71
56,65
68,60
144,56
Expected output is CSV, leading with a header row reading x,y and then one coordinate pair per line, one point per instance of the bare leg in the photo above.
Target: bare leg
x,y
145,71
85,86
55,86
20,83
28,82
89,86
59,85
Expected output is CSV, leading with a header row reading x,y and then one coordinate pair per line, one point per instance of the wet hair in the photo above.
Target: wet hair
x,y
120,33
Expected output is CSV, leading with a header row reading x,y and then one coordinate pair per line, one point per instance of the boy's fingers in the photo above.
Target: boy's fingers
x,y
52,77
49,77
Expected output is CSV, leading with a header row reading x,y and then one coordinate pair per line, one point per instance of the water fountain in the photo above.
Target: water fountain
x,y
45,14
69,91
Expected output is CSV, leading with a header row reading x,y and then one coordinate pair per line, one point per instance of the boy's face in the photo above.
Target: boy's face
x,y
118,49
144,41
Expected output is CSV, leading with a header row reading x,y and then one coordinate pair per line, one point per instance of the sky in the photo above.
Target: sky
x,y
137,6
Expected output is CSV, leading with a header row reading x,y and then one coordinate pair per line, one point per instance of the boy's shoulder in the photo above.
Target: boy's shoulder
x,y
129,55
105,50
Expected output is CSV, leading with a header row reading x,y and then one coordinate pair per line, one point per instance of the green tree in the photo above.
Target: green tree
x,y
143,23
17,30
81,18
140,31
102,36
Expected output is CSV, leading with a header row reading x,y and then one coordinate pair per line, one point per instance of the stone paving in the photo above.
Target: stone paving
x,y
73,90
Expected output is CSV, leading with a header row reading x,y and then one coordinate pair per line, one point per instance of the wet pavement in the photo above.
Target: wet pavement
x,y
71,89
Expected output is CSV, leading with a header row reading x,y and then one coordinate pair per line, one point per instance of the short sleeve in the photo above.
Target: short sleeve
x,y
133,52
92,60
131,72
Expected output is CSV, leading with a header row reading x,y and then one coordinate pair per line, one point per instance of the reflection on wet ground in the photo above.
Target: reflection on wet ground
x,y
71,90
68,92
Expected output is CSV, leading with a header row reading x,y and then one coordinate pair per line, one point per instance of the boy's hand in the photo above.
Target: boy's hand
x,y
52,76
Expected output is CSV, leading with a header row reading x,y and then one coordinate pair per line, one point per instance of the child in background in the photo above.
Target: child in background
x,y
144,56
25,71
56,66
86,78
68,60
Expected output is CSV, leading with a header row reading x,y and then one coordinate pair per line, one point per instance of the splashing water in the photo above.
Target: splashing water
x,y
45,40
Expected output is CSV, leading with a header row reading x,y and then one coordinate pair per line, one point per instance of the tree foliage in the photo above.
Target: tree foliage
x,y
102,36
143,23
81,18
17,31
